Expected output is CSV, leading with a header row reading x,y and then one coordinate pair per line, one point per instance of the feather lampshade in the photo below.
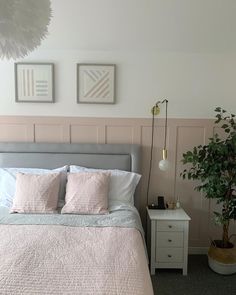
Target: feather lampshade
x,y
23,24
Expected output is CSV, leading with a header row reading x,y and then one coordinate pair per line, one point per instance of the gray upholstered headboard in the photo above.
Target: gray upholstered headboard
x,y
52,155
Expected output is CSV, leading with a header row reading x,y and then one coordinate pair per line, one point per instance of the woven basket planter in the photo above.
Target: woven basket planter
x,y
222,260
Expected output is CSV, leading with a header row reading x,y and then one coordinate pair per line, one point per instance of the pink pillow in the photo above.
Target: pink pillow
x,y
87,193
36,193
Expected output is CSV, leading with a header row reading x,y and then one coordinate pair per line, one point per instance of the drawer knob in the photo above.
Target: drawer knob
x,y
170,240
170,226
169,255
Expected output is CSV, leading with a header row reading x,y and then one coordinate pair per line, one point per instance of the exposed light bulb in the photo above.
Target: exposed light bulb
x,y
164,165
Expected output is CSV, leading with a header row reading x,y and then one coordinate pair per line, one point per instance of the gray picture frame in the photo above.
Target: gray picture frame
x,y
96,83
34,82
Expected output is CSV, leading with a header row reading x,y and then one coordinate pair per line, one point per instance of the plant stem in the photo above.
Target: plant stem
x,y
225,237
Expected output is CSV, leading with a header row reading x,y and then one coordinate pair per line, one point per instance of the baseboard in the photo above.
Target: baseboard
x,y
197,250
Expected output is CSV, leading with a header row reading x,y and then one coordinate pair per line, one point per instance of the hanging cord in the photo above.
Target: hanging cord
x,y
166,101
151,153
152,143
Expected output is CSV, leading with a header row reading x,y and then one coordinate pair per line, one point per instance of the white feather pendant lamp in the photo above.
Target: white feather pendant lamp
x,y
23,24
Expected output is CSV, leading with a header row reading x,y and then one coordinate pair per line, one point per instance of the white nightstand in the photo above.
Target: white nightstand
x,y
168,239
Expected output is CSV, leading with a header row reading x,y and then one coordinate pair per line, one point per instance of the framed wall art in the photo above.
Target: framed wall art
x,y
34,82
96,83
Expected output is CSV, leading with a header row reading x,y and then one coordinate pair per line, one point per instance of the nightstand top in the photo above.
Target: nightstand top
x,y
168,214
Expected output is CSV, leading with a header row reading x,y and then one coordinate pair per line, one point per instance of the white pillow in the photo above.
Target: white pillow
x,y
8,183
122,183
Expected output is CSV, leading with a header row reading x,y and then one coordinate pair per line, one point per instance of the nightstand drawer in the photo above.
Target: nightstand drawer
x,y
169,239
170,225
169,255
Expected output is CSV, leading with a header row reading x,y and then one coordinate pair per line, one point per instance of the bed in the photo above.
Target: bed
x,y
56,253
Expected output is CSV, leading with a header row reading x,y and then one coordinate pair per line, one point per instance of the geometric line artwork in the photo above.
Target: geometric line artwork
x,y
33,86
95,83
34,82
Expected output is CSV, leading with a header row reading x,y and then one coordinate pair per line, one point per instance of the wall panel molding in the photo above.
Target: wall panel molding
x,y
182,135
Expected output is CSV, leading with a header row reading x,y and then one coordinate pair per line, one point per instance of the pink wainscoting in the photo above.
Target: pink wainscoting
x,y
182,135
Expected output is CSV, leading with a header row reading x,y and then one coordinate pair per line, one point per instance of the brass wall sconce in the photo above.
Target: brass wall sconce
x,y
164,163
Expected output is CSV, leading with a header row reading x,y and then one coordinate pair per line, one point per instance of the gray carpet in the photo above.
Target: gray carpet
x,y
201,280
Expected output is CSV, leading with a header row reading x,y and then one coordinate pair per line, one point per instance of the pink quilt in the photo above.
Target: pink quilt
x,y
56,259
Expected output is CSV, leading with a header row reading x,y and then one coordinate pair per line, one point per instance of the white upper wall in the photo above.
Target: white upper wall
x,y
184,50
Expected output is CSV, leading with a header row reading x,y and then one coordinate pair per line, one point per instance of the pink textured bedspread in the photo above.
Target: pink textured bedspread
x,y
55,259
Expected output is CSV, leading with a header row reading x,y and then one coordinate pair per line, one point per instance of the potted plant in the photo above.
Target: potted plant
x,y
214,165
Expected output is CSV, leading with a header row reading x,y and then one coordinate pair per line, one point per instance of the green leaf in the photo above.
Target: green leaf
x,y
218,109
225,126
